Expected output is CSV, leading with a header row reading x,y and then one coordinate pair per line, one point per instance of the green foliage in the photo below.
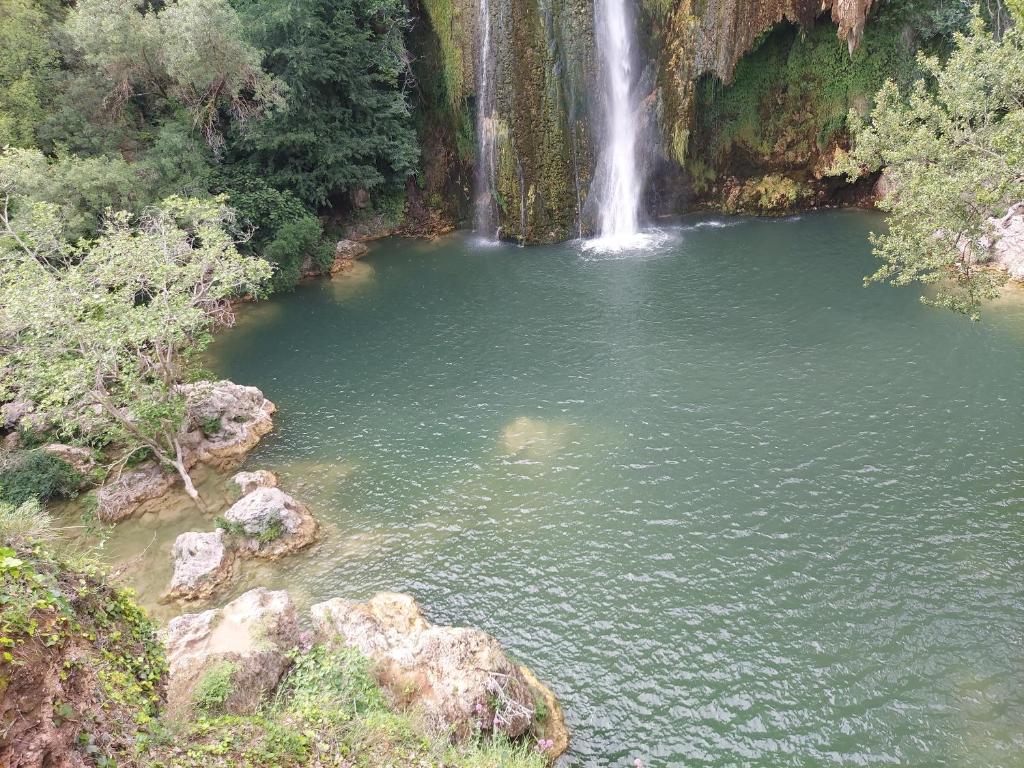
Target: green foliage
x,y
283,230
274,530
330,711
214,687
790,97
293,241
27,67
953,148
36,475
189,53
100,333
348,124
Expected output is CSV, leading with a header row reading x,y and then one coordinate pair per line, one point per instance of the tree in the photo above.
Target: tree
x,y
190,53
26,67
100,334
347,124
954,150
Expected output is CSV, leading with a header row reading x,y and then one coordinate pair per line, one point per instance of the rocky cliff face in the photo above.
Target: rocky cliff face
x,y
546,112
542,52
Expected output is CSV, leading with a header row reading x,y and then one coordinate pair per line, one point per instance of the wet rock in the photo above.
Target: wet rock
x,y
549,728
250,481
119,498
271,523
202,562
246,641
459,677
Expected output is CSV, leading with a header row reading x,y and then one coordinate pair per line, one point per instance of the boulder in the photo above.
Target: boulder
x,y
271,523
1007,248
227,421
247,641
12,413
549,728
81,459
460,678
202,562
345,254
248,482
119,498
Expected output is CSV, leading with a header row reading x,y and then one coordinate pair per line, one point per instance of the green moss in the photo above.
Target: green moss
x,y
448,27
789,98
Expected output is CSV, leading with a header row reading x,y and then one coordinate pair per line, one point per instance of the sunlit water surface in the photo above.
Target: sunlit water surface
x,y
735,508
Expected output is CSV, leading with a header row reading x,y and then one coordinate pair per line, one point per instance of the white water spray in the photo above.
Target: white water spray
x,y
619,172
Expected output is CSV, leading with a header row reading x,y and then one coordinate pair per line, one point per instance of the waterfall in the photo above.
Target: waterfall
x,y
619,176
486,167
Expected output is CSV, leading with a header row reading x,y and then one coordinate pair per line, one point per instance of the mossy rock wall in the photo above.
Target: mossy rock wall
x,y
543,78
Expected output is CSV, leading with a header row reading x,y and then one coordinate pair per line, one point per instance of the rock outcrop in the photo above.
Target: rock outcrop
x,y
118,499
202,562
246,643
1007,247
346,252
80,459
225,421
460,678
270,523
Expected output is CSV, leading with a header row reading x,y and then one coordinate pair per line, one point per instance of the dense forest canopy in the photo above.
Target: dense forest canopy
x,y
284,109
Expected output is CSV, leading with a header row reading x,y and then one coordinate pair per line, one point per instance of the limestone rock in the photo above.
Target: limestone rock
x,y
202,562
252,634
228,420
271,523
119,498
1007,248
549,726
79,458
12,413
250,481
345,254
459,677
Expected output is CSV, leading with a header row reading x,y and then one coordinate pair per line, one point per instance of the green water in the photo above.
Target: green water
x,y
736,509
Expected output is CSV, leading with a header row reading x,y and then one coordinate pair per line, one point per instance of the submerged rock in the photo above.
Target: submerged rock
x,y
245,645
459,677
202,562
271,523
250,481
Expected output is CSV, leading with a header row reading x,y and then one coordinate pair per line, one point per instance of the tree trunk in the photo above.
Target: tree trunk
x,y
190,488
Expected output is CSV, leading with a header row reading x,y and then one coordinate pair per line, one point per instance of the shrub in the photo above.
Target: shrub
x,y
36,475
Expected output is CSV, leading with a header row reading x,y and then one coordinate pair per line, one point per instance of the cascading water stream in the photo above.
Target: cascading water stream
x,y
486,167
620,179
